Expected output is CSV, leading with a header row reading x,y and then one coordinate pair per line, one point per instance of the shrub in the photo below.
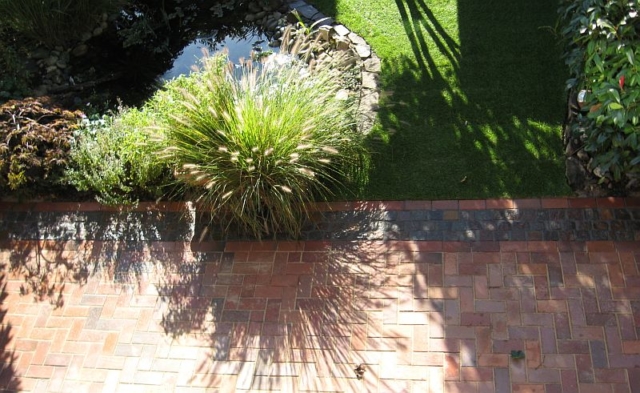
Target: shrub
x,y
258,143
113,158
54,22
34,146
603,55
15,77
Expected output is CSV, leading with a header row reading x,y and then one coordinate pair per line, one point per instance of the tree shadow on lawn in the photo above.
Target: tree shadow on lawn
x,y
476,119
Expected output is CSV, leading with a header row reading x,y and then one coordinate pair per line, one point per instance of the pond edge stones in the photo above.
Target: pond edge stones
x,y
345,39
339,38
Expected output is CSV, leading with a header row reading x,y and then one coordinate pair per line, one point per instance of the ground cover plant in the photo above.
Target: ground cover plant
x,y
473,97
114,158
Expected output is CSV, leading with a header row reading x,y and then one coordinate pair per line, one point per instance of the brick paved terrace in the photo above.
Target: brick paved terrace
x,y
427,296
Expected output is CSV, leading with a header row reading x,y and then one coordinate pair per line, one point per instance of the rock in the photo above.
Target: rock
x,y
598,171
250,17
348,60
297,4
274,43
364,51
323,33
274,4
369,100
369,80
291,18
343,44
372,64
575,173
85,37
260,14
40,90
356,39
253,7
39,53
324,21
51,60
342,95
276,15
97,31
583,155
341,30
80,50
61,64
308,12
272,24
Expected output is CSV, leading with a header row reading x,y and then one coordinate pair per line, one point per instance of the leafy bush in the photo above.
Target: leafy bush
x,y
114,158
603,55
257,144
54,22
15,77
34,146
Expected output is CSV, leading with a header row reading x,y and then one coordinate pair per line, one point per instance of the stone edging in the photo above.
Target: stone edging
x,y
340,38
563,219
409,205
343,39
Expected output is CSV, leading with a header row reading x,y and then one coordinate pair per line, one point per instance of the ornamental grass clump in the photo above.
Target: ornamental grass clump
x,y
256,143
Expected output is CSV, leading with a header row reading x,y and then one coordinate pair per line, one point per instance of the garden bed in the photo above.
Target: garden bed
x,y
319,97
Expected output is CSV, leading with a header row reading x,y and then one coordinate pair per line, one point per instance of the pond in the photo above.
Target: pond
x,y
145,48
237,48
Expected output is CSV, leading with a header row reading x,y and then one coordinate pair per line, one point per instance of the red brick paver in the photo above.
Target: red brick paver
x,y
300,316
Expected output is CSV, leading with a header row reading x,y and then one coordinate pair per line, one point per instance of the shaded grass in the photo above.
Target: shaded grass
x,y
473,97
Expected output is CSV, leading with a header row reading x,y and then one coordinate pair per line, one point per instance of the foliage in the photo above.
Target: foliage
x,y
603,55
34,146
15,78
147,22
257,144
113,158
54,22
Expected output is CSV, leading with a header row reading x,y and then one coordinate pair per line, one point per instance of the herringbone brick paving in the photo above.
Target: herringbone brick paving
x,y
421,316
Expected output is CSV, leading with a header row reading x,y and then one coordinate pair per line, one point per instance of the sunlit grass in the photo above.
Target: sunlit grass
x,y
473,97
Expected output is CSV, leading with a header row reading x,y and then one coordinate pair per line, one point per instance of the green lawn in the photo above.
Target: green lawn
x,y
473,97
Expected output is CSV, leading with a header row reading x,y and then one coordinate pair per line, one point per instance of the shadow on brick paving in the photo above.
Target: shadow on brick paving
x,y
8,376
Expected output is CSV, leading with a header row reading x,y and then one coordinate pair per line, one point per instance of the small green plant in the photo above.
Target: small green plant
x,y
113,158
54,22
256,144
603,55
